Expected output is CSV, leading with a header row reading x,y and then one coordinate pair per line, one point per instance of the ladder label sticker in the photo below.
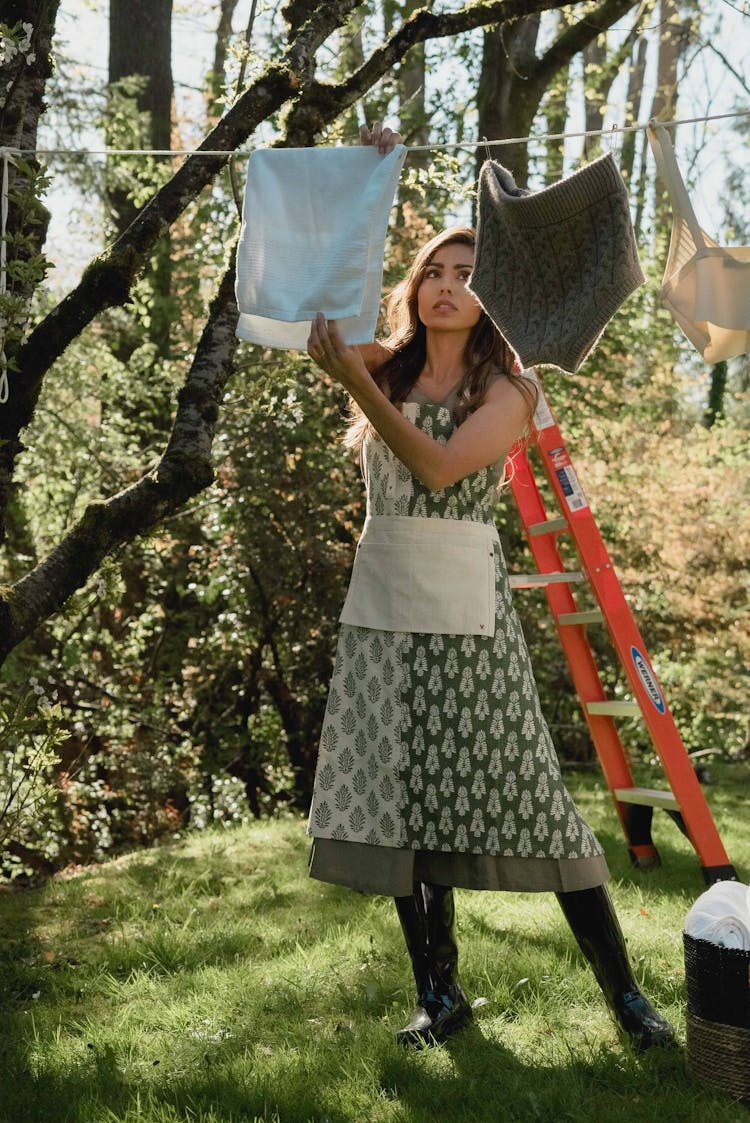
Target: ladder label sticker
x,y
648,678
569,484
543,418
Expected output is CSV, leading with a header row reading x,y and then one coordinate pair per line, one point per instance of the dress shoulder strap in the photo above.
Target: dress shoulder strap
x,y
666,163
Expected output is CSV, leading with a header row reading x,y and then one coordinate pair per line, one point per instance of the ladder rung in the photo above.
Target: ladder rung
x,y
530,580
551,526
647,797
591,616
608,609
614,709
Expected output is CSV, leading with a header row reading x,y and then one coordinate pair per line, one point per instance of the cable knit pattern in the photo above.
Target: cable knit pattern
x,y
552,267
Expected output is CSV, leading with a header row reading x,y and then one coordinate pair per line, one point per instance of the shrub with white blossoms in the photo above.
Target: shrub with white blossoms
x,y
15,45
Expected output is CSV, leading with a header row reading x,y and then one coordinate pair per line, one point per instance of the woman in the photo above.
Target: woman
x,y
436,767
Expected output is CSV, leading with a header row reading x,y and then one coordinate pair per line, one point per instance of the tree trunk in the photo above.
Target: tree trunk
x,y
411,88
147,56
23,78
556,116
147,59
412,115
641,186
351,55
217,75
594,93
716,394
673,41
600,71
514,78
633,100
506,100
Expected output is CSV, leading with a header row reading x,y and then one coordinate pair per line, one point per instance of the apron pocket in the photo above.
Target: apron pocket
x,y
424,583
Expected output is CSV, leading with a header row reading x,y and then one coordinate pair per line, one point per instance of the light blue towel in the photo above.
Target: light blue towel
x,y
312,240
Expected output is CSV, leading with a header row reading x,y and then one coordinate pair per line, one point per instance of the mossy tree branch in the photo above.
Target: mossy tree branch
x,y
183,471
577,36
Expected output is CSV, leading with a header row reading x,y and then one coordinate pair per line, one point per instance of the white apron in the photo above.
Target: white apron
x,y
424,575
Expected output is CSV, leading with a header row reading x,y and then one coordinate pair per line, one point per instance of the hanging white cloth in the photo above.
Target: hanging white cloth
x,y
706,287
722,915
312,240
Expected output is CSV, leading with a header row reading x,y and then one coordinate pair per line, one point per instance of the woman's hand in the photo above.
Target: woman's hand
x,y
343,363
380,136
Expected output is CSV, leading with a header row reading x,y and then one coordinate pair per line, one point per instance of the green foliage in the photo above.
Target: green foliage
x,y
213,981
194,668
442,183
26,265
31,732
272,575
126,127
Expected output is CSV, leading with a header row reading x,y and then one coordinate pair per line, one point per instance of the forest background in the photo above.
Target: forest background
x,y
178,516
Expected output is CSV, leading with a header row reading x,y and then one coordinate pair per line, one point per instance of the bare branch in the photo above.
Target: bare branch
x,y
725,62
577,36
424,24
320,100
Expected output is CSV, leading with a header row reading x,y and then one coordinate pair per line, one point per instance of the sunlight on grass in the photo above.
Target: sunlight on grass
x,y
212,982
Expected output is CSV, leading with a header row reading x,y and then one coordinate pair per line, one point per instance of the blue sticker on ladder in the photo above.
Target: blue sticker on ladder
x,y
647,677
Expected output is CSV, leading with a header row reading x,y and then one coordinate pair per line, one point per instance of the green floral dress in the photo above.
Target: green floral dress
x,y
435,760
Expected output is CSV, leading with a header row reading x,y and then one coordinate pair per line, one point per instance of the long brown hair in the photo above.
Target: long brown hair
x,y
486,354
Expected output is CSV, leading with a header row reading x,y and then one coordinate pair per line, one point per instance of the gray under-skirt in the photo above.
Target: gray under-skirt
x,y
392,872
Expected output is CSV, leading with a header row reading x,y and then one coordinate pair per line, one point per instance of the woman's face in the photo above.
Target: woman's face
x,y
443,301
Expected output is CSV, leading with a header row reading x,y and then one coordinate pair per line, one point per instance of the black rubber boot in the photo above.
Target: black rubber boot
x,y
592,918
428,923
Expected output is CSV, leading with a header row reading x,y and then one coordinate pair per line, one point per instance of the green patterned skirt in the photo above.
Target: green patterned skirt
x,y
436,764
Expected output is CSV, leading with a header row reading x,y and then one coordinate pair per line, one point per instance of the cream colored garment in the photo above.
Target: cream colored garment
x,y
424,575
314,222
706,287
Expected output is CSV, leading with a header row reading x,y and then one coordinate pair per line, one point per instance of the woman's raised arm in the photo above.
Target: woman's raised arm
x,y
486,437
385,139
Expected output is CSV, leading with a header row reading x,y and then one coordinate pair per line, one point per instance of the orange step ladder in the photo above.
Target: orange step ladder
x,y
683,800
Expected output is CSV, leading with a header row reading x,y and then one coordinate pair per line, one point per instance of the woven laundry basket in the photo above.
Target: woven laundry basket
x,y
718,1015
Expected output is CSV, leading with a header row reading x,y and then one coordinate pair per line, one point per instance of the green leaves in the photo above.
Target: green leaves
x,y
31,733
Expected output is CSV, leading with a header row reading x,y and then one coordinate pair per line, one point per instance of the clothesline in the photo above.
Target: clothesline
x,y
296,257
613,131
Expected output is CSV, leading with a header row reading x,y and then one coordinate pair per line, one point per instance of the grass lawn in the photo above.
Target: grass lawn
x,y
212,981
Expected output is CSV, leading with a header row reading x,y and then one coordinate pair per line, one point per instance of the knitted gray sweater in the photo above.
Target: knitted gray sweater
x,y
552,267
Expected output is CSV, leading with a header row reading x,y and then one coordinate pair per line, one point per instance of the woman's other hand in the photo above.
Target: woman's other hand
x,y
381,137
344,364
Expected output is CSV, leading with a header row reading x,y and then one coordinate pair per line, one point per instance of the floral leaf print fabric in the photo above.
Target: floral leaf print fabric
x,y
437,742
